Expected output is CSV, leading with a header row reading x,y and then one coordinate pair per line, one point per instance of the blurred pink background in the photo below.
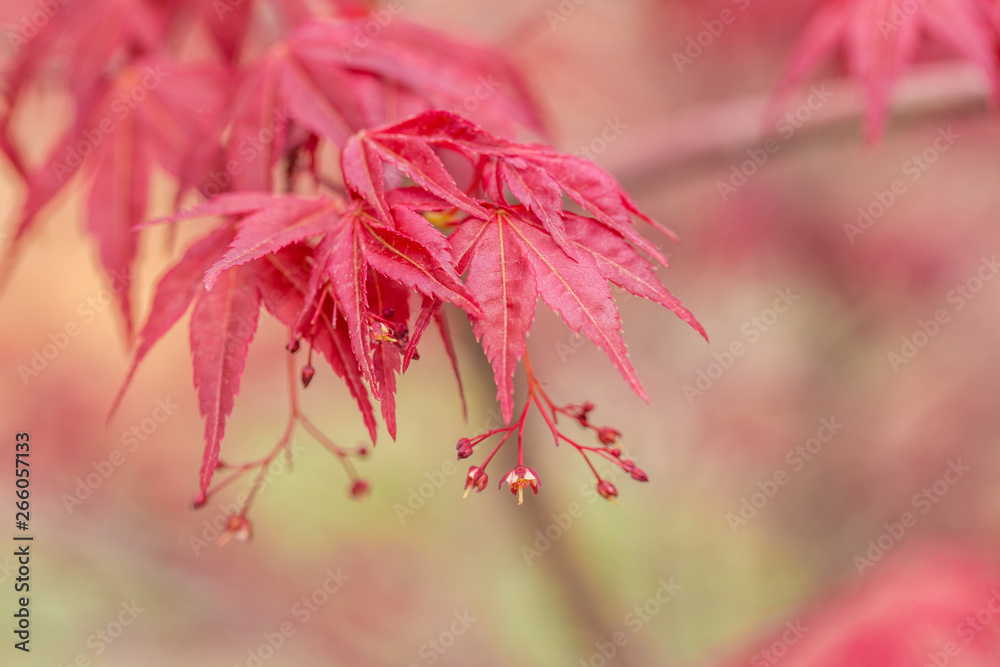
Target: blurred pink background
x,y
814,500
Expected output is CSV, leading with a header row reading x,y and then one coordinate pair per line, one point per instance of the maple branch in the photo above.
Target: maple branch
x,y
703,139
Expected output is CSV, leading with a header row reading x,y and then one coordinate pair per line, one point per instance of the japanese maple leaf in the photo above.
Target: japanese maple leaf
x,y
342,259
881,38
536,175
140,118
81,47
223,323
410,255
514,254
283,85
441,71
284,282
512,260
174,295
390,301
230,23
320,78
621,264
430,311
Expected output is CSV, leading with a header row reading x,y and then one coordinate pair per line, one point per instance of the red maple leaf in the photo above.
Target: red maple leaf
x,y
224,320
223,324
126,125
284,282
356,258
511,261
881,38
331,83
358,241
536,175
390,301
514,254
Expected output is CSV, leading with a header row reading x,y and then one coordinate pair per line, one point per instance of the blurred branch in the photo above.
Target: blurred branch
x,y
710,137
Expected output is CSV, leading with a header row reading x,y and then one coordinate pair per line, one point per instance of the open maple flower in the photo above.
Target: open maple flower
x,y
237,528
880,38
520,477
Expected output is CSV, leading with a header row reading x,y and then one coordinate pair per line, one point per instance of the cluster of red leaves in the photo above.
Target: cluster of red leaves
x,y
334,251
881,38
223,123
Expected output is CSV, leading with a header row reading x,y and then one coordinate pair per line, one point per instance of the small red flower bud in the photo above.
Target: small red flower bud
x,y
477,480
615,452
360,488
293,347
628,465
580,412
607,435
307,375
607,490
639,475
464,448
388,312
